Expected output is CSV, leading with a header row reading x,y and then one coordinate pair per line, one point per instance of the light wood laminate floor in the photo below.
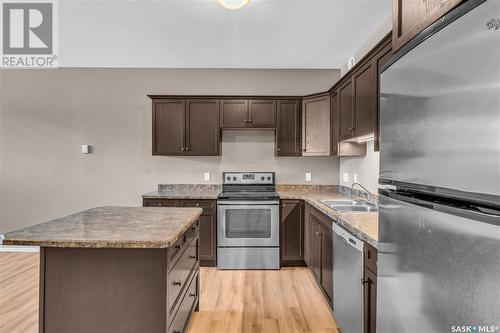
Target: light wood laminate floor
x,y
287,300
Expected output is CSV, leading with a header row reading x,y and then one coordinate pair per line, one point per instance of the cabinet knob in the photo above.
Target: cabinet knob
x,y
197,205
246,121
192,295
177,283
250,121
277,149
192,257
187,148
283,206
182,148
160,204
303,149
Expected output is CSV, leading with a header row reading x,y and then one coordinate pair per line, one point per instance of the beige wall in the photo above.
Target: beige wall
x,y
47,114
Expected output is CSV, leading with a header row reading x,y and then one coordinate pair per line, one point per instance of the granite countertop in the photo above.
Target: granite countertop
x,y
184,191
363,225
109,227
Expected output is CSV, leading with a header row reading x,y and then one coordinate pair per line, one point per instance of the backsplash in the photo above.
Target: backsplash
x,y
188,187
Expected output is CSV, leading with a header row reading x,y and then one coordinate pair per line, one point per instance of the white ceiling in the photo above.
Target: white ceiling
x,y
202,34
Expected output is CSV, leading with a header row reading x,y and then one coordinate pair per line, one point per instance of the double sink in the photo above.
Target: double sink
x,y
350,205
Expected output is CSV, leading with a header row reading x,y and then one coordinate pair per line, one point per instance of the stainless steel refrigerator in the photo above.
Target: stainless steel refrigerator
x,y
439,232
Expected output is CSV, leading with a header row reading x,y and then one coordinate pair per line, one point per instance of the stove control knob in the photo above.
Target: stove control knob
x,y
234,178
262,178
228,178
268,177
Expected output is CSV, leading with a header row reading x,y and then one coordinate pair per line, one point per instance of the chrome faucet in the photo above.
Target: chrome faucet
x,y
371,196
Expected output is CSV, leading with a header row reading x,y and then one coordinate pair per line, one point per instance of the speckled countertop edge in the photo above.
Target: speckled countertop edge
x,y
121,227
353,222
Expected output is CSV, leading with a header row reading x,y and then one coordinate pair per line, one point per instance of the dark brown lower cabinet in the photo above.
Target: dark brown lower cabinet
x,y
370,289
208,225
292,233
320,250
120,289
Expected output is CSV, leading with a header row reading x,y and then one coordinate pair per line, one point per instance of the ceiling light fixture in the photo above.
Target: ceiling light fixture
x,y
233,4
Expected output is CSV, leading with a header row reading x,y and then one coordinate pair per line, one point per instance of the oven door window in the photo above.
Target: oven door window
x,y
248,223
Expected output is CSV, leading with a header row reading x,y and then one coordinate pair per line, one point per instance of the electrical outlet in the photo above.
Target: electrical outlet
x,y
308,176
355,178
85,149
345,177
206,176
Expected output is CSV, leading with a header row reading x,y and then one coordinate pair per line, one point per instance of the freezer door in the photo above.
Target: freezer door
x,y
437,268
440,109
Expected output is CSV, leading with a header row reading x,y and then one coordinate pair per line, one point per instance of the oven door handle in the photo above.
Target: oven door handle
x,y
239,203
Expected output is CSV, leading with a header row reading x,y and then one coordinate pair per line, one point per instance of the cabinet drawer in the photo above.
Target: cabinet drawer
x,y
370,257
160,203
205,204
177,277
193,230
181,319
322,218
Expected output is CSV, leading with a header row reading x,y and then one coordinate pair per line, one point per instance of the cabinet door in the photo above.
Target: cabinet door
x,y
316,126
307,234
233,113
202,127
262,113
345,110
288,131
169,123
370,301
208,230
292,232
327,261
365,99
380,59
315,247
410,17
334,106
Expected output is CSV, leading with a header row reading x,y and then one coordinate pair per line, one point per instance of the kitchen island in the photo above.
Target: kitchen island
x,y
116,269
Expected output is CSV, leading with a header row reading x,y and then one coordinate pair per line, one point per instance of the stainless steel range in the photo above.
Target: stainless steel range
x,y
248,222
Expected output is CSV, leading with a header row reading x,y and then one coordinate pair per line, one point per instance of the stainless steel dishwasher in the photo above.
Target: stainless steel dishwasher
x,y
347,280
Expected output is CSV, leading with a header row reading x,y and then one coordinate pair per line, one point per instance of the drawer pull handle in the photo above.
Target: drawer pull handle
x,y
197,205
192,257
160,204
192,294
177,283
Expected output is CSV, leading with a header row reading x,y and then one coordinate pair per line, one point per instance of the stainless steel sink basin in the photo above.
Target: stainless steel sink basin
x,y
350,205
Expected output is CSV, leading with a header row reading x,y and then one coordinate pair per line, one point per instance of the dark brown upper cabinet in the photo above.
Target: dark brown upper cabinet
x,y
186,127
334,130
316,126
288,130
346,108
262,113
410,17
233,113
169,118
202,127
365,99
242,113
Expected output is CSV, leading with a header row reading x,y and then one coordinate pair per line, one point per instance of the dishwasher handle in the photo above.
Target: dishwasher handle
x,y
347,237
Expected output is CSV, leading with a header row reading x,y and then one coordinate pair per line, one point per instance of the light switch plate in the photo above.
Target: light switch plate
x,y
85,149
206,176
308,176
345,177
355,178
